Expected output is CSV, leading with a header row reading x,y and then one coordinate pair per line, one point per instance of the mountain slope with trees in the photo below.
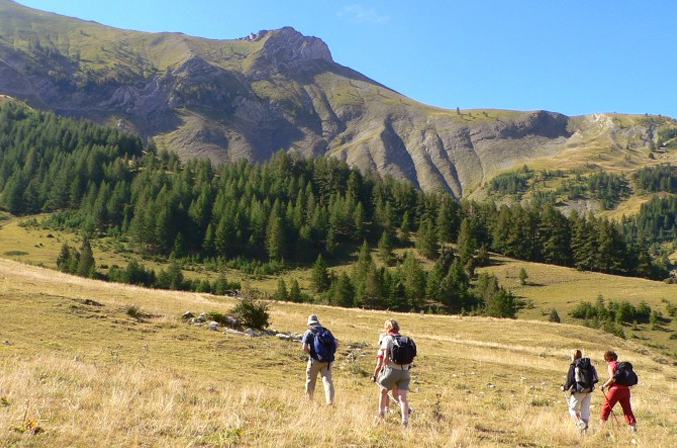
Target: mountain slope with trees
x,y
103,182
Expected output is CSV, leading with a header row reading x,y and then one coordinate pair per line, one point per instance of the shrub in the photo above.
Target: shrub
x,y
613,328
221,318
252,313
554,316
136,313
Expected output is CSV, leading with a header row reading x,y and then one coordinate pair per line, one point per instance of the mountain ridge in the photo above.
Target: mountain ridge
x,y
279,89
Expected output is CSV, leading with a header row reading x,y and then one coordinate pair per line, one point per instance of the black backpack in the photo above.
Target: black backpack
x,y
625,375
403,351
585,375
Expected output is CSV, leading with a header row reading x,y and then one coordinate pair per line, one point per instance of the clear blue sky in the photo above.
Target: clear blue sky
x,y
570,56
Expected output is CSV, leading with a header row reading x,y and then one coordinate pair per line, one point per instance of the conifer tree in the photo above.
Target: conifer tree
x,y
467,245
281,293
385,248
414,281
426,240
86,264
320,279
295,294
275,239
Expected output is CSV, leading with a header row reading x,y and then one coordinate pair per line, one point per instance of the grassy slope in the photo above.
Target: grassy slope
x,y
562,288
92,376
548,287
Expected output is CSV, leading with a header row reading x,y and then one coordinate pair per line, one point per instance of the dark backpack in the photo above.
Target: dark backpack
x,y
403,351
585,375
625,375
324,345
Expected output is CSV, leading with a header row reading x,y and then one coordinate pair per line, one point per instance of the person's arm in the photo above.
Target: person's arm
x,y
608,383
379,364
306,348
570,379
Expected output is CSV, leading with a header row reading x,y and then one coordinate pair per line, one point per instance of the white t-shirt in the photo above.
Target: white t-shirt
x,y
387,344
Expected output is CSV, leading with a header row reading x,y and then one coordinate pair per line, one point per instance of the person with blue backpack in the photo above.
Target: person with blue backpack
x,y
581,380
320,345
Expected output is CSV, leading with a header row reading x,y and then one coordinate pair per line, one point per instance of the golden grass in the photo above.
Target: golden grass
x,y
562,288
93,376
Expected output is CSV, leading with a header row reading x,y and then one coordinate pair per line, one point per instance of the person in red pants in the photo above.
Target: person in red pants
x,y
617,393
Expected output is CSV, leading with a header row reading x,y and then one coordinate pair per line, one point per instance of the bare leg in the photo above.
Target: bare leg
x,y
382,402
404,406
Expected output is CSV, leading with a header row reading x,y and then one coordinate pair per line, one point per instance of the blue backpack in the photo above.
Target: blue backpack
x,y
324,345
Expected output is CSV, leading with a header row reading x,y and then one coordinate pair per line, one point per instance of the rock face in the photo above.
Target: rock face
x,y
278,89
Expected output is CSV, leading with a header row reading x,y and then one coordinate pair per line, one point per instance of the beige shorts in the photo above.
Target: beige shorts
x,y
394,377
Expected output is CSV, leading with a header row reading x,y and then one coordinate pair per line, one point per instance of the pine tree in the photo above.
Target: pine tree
x,y
86,264
426,241
320,278
359,220
295,294
179,249
175,276
385,248
467,245
523,276
434,280
414,281
63,261
405,228
221,285
275,239
208,244
344,292
281,293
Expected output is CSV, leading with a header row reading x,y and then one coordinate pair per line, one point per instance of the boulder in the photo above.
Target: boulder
x,y
213,325
249,332
187,315
231,321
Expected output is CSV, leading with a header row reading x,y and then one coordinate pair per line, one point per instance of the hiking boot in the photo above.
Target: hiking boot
x,y
411,410
633,428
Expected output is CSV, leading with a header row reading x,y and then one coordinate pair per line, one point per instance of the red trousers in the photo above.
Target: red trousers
x,y
618,394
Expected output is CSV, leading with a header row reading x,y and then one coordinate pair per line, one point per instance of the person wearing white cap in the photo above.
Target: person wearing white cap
x,y
320,345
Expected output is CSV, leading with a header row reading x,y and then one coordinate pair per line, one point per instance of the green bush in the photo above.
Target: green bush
x,y
221,318
554,316
252,313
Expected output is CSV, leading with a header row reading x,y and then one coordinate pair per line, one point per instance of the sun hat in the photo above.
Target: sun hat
x,y
313,320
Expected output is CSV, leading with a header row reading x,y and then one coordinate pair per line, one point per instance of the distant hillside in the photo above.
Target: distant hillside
x,y
247,98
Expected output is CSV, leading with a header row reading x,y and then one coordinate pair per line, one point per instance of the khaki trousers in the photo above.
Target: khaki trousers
x,y
324,369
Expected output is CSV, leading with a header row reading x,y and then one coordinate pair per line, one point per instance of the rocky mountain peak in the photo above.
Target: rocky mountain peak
x,y
285,50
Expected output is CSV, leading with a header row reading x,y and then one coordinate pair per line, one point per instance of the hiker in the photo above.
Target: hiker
x,y
581,380
621,377
398,355
320,345
377,371
379,367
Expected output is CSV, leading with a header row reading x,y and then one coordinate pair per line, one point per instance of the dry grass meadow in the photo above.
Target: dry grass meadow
x,y
90,375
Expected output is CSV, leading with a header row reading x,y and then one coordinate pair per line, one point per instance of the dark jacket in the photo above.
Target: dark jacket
x,y
575,386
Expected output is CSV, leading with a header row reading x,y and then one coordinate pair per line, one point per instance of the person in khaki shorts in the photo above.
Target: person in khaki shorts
x,y
393,374
315,365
